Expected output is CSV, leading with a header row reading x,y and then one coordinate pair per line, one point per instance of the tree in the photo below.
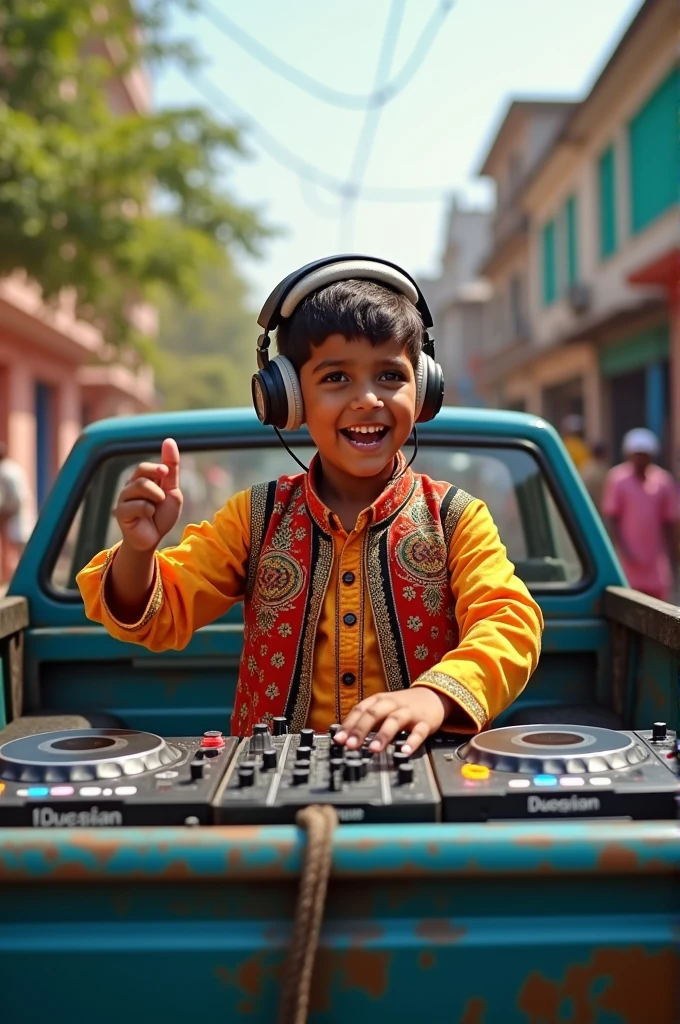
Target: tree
x,y
206,351
108,205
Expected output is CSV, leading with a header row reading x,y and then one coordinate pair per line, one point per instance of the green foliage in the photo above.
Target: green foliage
x,y
106,202
206,351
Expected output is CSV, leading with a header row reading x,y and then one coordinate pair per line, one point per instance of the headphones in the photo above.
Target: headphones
x,y
277,396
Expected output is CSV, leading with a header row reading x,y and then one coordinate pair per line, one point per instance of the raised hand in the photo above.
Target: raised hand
x,y
151,502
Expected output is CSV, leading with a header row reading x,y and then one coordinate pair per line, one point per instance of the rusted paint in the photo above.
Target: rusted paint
x,y
638,985
620,860
274,852
440,931
426,960
362,970
538,842
474,1011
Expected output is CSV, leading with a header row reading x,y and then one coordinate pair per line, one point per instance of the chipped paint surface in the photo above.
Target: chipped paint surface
x,y
578,914
174,854
631,985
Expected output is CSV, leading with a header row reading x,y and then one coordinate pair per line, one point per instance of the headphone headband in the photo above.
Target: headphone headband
x,y
293,289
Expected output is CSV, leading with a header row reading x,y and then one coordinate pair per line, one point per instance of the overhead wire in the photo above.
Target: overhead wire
x,y
319,90
219,99
369,127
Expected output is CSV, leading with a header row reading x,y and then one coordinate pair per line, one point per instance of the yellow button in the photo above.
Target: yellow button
x,y
2,788
475,771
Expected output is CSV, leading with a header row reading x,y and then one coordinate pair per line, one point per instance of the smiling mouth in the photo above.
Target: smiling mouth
x,y
365,437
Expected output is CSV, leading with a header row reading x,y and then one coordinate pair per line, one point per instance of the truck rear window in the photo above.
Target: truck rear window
x,y
509,479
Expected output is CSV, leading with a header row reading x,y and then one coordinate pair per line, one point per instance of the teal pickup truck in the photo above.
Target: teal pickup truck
x,y
540,922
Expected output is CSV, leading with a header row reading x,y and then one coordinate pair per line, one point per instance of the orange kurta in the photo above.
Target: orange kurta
x,y
499,623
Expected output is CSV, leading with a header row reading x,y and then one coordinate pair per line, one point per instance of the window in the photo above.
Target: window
x,y
571,235
549,264
508,479
653,148
607,189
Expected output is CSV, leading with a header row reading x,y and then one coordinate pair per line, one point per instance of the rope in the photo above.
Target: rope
x,y
319,824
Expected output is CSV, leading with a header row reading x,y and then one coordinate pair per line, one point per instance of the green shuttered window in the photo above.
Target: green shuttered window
x,y
571,232
549,264
653,147
607,183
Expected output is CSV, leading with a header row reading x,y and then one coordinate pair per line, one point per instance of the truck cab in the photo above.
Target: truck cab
x,y
506,921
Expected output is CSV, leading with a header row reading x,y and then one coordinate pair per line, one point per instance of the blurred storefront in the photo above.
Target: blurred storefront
x,y
589,220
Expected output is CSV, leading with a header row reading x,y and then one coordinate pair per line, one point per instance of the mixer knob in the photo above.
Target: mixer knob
x,y
197,769
269,759
303,753
336,750
659,732
352,771
399,757
307,738
332,729
260,740
301,775
402,736
405,773
336,764
246,776
280,725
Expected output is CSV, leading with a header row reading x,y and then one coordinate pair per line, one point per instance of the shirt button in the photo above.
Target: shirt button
x,y
349,619
348,578
349,679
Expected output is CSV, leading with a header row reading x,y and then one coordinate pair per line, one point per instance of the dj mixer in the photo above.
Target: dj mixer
x,y
273,776
113,777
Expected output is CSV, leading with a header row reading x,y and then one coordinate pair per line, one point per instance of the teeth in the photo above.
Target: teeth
x,y
365,430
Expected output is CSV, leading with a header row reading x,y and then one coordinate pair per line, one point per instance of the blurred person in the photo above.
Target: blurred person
x,y
16,513
572,434
640,505
594,473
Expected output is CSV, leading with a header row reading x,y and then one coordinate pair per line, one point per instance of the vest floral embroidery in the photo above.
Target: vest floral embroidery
x,y
405,565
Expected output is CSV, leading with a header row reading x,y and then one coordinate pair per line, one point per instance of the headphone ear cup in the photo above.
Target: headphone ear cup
x,y
429,388
421,380
294,410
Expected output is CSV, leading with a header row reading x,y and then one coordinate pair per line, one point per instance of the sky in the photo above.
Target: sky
x,y
432,136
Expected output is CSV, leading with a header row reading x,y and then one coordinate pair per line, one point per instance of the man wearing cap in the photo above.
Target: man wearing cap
x,y
640,506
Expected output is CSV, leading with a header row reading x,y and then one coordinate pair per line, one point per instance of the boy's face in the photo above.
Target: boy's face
x,y
350,384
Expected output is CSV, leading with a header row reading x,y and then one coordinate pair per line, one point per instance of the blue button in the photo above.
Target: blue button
x,y
37,791
545,780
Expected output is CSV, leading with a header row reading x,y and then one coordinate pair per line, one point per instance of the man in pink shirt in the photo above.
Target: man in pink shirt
x,y
640,506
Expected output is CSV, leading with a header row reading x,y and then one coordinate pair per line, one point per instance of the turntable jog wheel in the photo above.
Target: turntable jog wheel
x,y
557,771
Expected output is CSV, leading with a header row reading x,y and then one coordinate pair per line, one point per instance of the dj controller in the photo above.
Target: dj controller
x,y
114,777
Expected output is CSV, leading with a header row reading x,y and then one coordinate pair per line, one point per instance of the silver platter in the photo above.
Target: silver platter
x,y
83,755
554,750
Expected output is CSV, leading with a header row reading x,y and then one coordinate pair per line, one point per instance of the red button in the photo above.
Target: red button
x,y
212,739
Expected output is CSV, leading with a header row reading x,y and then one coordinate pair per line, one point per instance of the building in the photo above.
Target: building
x,y
458,300
56,372
592,243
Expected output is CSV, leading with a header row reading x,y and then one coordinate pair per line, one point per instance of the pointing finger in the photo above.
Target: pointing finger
x,y
170,458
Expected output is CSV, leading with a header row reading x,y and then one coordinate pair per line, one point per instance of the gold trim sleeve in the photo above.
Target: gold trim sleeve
x,y
153,604
452,688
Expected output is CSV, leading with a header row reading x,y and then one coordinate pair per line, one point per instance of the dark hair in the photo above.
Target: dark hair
x,y
355,309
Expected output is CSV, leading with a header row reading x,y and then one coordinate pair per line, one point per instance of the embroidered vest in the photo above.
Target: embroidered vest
x,y
405,559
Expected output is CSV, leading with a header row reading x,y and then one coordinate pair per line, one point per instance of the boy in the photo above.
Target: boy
x,y
372,596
